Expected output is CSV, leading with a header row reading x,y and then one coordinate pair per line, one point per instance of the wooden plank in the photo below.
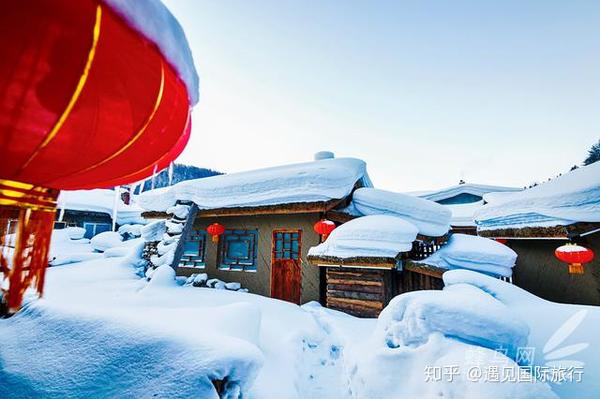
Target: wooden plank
x,y
424,269
355,287
377,275
359,282
355,295
356,302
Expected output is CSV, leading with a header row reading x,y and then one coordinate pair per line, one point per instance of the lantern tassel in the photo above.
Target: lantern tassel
x,y
576,268
26,222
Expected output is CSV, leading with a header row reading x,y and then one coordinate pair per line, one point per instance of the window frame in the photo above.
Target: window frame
x,y
196,261
222,258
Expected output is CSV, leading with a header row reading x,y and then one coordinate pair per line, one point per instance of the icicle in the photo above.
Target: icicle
x,y
171,173
115,206
154,176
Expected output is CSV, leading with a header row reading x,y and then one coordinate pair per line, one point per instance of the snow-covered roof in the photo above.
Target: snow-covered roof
x,y
430,218
99,200
375,236
462,214
570,198
466,188
309,182
156,23
474,253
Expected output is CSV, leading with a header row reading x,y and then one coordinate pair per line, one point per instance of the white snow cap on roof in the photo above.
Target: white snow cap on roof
x,y
99,200
315,181
368,236
570,198
466,188
430,218
155,22
474,253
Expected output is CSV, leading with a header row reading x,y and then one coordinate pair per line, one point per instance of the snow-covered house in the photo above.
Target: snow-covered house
x,y
268,216
536,221
93,210
463,200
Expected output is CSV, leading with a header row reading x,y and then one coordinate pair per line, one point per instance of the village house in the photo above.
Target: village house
x,y
537,221
464,199
93,210
268,218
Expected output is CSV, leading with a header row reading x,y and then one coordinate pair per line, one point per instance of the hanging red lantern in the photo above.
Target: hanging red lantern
x,y
575,255
86,101
324,227
215,230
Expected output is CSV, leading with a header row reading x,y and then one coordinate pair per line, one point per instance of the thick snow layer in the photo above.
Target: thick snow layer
x,y
475,253
315,181
66,246
100,331
462,214
368,236
430,218
154,231
570,198
561,336
99,200
468,188
153,20
106,240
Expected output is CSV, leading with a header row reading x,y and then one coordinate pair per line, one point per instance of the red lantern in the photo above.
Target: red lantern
x,y
85,101
215,230
324,227
575,255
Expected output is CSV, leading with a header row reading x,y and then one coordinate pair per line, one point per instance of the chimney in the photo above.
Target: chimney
x,y
324,155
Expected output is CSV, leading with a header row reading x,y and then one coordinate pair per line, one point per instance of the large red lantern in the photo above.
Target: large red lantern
x,y
215,230
86,101
324,227
575,255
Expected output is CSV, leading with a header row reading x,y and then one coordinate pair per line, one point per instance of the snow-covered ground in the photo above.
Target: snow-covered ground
x,y
101,331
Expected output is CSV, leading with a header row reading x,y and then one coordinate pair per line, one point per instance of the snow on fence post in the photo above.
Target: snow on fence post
x,y
187,227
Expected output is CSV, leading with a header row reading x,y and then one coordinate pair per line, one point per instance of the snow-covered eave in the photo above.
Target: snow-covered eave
x,y
557,232
277,209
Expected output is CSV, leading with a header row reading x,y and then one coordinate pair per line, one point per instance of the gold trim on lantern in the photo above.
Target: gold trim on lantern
x,y
78,89
28,196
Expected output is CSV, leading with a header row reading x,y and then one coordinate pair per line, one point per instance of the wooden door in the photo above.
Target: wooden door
x,y
286,270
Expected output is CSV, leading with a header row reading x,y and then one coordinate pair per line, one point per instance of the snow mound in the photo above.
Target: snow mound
x,y
154,231
475,253
131,230
316,181
153,20
74,233
368,236
83,356
430,218
461,312
570,198
163,276
106,240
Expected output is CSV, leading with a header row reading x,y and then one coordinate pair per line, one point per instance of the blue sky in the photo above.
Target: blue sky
x,y
427,92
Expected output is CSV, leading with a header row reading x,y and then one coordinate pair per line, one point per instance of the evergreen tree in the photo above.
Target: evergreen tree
x,y
180,173
593,154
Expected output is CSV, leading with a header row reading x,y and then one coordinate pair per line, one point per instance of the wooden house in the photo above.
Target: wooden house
x,y
93,210
536,221
268,217
464,199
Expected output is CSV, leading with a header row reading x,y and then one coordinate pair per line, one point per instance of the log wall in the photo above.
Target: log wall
x,y
360,292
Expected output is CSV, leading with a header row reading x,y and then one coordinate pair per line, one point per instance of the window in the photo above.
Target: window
x,y
237,250
59,225
194,250
287,245
93,229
